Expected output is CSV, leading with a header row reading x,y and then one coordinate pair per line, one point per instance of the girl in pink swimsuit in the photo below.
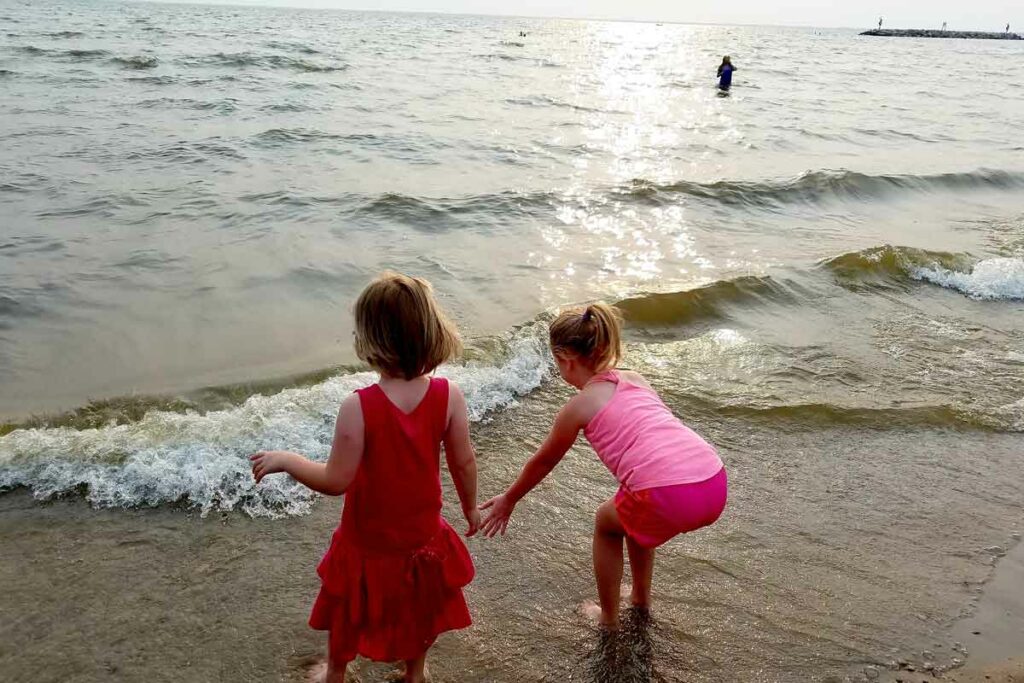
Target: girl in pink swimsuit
x,y
671,480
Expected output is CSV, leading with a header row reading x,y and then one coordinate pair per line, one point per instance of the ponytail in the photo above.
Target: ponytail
x,y
594,334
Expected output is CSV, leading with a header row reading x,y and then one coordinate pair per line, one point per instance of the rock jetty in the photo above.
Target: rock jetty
x,y
929,33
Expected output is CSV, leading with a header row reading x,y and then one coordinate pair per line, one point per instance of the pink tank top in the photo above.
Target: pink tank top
x,y
643,443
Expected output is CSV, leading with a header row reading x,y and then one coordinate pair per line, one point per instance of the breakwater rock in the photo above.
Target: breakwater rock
x,y
930,33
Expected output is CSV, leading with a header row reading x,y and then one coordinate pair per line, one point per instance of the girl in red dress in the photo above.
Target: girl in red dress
x,y
392,579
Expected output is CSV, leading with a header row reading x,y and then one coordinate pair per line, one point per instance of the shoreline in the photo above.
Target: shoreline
x,y
992,634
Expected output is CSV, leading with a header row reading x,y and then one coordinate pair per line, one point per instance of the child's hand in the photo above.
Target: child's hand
x,y
268,462
497,520
473,520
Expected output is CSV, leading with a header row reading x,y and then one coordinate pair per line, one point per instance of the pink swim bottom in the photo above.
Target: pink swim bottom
x,y
653,516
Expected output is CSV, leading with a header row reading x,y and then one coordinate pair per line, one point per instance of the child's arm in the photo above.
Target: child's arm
x,y
334,476
458,450
563,435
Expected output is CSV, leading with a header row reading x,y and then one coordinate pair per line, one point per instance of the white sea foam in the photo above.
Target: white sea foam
x,y
202,460
993,278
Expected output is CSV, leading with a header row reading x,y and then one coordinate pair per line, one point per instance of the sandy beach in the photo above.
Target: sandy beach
x,y
164,594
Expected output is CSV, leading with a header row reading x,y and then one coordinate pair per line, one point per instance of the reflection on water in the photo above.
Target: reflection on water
x,y
168,191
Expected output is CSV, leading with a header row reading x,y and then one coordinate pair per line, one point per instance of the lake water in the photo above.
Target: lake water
x,y
822,270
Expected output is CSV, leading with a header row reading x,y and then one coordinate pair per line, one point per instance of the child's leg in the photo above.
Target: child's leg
x,y
608,535
415,669
641,565
335,671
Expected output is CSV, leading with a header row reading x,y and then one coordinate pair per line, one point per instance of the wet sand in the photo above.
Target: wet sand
x,y
1008,671
992,635
842,550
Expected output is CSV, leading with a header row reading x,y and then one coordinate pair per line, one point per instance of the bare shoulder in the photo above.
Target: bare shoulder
x,y
455,393
350,415
635,378
588,402
456,401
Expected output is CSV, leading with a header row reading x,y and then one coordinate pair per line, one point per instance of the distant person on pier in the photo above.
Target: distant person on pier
x,y
725,70
1007,28
943,27
879,23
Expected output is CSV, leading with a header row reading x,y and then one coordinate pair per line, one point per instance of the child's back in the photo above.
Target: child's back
x,y
392,578
641,442
395,501
393,574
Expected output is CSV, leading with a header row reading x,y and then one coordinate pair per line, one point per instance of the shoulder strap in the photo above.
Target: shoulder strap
x,y
605,376
440,392
371,400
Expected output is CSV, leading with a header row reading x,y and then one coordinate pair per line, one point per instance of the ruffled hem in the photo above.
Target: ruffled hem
x,y
388,607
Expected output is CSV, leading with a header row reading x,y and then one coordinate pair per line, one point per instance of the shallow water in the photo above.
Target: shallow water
x,y
823,273
193,195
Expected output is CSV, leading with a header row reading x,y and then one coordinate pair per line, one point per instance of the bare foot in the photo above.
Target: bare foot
x,y
402,677
591,611
316,672
640,601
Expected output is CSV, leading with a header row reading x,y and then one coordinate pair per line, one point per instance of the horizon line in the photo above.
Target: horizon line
x,y
273,4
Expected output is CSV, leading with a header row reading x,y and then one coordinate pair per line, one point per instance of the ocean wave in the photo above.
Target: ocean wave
x,y
893,134
226,105
103,206
77,54
188,152
817,415
243,60
545,101
136,62
992,278
505,57
501,206
438,214
889,265
12,308
289,136
199,460
817,186
66,34
285,107
154,80
706,302
301,48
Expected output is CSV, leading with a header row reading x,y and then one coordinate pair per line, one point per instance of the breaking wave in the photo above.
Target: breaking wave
x,y
200,459
991,278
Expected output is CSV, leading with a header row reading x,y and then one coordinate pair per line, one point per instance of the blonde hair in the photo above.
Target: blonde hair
x,y
400,328
593,334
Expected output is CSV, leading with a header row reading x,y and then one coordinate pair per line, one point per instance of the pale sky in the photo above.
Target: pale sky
x,y
988,15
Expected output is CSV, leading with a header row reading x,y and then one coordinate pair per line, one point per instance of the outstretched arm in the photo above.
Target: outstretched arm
x,y
334,476
563,435
458,450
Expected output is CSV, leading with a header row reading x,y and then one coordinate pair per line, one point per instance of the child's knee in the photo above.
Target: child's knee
x,y
606,520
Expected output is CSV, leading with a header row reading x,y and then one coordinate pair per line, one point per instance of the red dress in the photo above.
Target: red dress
x,y
392,579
